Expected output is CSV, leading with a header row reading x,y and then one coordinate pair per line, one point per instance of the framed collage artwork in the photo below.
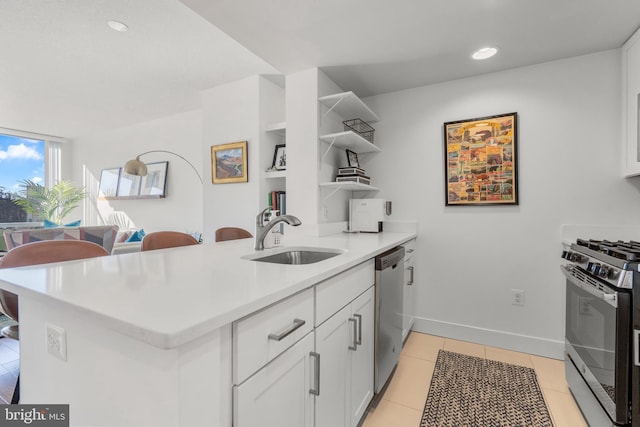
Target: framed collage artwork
x,y
480,161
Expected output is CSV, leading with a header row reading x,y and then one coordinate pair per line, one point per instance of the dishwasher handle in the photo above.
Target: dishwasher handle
x,y
390,258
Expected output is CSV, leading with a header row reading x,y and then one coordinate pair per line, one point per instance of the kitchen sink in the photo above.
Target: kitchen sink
x,y
295,256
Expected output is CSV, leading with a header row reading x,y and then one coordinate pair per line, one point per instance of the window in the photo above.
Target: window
x,y
21,158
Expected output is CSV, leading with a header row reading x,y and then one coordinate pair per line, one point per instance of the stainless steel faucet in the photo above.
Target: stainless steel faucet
x,y
262,230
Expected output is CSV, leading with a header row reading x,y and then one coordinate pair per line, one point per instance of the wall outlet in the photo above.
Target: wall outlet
x,y
325,213
517,297
56,341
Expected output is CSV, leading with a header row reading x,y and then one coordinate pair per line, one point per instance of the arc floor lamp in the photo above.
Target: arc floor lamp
x,y
138,168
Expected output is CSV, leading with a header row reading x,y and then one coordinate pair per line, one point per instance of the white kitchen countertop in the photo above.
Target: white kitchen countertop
x,y
169,297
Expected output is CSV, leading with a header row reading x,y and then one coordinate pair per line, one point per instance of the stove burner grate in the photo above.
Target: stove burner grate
x,y
628,251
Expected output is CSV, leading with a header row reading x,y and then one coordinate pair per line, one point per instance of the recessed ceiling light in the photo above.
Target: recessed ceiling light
x,y
484,53
118,26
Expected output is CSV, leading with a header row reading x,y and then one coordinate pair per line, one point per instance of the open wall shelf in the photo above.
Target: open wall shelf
x,y
275,174
348,106
350,186
350,140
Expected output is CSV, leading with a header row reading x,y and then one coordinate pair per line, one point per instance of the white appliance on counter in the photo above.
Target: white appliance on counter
x,y
367,215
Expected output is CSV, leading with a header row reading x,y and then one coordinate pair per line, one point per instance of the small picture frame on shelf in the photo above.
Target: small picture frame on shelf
x,y
128,185
352,159
279,158
109,179
154,183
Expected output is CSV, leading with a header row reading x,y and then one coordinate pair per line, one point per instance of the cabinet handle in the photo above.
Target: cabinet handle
x,y
410,251
316,374
359,317
297,323
411,280
355,334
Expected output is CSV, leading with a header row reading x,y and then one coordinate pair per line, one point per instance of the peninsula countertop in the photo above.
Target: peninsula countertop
x,y
169,297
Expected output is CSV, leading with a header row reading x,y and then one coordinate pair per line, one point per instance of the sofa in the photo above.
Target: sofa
x,y
103,235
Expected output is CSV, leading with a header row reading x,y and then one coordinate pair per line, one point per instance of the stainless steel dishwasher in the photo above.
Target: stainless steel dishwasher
x,y
389,291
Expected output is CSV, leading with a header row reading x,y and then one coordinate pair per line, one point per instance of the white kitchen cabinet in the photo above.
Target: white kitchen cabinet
x,y
362,363
345,345
332,341
408,298
262,336
288,373
279,394
631,105
274,363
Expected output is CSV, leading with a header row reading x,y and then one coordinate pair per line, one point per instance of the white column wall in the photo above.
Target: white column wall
x,y
302,148
469,258
231,114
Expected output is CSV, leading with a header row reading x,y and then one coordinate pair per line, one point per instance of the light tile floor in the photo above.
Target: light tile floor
x,y
9,368
403,401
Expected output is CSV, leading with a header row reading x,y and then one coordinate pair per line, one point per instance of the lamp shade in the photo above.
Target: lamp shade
x,y
135,167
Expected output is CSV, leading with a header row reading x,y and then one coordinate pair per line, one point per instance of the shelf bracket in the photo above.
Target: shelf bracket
x,y
335,190
332,107
329,149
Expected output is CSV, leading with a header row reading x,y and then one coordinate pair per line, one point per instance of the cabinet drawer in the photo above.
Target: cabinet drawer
x,y
338,291
260,337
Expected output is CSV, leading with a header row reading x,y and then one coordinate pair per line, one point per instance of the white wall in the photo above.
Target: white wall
x,y
230,114
569,172
181,210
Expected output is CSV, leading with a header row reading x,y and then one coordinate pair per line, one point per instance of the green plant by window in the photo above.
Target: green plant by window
x,y
52,204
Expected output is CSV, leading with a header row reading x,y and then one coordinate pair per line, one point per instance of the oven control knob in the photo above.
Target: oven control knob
x,y
575,257
603,271
593,267
565,254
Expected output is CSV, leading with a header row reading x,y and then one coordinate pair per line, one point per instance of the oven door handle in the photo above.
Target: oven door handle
x,y
636,346
610,298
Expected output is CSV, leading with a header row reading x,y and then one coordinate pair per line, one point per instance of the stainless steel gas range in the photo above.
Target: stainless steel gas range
x,y
602,330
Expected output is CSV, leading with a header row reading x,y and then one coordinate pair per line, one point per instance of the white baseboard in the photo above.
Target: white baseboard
x,y
507,340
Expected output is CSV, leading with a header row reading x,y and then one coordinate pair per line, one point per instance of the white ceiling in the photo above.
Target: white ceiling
x,y
64,72
378,46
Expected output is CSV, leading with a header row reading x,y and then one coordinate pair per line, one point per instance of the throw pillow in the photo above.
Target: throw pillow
x,y
51,224
122,236
136,236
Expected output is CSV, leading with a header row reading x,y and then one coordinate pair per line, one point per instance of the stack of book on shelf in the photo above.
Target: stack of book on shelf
x,y
352,174
278,201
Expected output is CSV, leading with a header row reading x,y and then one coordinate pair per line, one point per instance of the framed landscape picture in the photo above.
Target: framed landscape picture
x,y
229,163
480,161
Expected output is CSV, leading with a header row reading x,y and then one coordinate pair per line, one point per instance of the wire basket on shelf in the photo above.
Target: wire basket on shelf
x,y
360,127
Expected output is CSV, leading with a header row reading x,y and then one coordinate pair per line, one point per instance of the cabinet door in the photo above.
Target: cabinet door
x,y
361,363
278,394
332,342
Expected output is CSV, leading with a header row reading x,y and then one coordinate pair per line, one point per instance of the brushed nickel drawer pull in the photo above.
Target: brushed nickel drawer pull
x,y
297,323
316,374
359,317
355,334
